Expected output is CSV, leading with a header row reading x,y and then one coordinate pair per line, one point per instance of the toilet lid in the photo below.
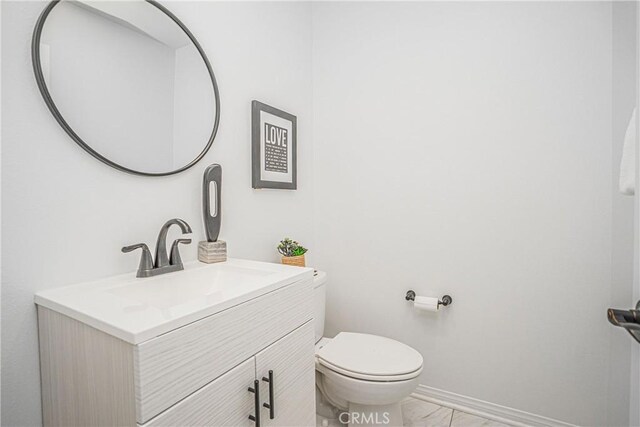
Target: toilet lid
x,y
370,356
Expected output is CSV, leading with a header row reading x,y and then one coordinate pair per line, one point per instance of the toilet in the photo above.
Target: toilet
x,y
363,376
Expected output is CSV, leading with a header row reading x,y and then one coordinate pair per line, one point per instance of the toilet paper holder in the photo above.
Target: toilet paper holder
x,y
445,300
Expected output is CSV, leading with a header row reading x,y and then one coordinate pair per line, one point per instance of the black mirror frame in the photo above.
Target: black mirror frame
x,y
37,68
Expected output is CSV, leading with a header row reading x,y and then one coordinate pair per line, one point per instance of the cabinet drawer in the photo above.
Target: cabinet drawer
x,y
224,402
174,365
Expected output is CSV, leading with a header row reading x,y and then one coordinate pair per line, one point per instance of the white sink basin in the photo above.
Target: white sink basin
x,y
136,310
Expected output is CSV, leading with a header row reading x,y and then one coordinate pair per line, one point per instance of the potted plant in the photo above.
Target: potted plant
x,y
292,252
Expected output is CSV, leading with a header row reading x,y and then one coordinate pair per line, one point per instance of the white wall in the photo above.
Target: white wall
x,y
65,216
634,416
624,100
466,148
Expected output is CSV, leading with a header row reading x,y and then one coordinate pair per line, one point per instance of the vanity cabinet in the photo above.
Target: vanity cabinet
x,y
200,373
290,360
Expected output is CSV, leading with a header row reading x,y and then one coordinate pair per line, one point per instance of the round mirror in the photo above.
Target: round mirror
x,y
128,82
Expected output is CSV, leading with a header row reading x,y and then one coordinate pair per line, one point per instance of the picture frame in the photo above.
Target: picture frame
x,y
273,148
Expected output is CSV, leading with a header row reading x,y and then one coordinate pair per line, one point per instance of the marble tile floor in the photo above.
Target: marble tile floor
x,y
418,413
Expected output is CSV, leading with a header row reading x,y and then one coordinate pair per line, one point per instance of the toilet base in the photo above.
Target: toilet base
x,y
326,413
374,415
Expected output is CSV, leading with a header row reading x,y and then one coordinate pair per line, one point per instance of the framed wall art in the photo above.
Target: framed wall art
x,y
273,151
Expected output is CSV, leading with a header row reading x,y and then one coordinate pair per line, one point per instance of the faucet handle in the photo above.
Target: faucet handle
x,y
175,259
130,248
146,262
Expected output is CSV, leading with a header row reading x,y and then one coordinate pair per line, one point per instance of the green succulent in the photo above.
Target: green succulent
x,y
288,247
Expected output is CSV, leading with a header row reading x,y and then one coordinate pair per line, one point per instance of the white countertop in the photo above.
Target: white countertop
x,y
138,309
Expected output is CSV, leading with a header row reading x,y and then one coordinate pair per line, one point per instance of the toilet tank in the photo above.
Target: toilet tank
x,y
319,302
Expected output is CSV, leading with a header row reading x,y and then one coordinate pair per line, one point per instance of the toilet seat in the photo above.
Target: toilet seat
x,y
370,357
365,377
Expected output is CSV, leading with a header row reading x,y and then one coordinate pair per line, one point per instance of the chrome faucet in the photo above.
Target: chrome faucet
x,y
164,263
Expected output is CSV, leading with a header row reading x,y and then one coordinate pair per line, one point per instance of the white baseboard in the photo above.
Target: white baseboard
x,y
502,414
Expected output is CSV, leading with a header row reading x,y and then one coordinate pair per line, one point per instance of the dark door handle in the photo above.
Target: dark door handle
x,y
627,319
256,395
270,405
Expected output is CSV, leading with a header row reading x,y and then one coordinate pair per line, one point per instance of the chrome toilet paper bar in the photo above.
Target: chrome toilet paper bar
x,y
445,300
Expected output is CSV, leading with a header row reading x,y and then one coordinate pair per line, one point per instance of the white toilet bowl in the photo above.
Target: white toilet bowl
x,y
364,376
344,390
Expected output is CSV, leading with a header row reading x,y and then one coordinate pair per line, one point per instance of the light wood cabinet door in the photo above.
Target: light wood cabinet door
x,y
223,402
291,359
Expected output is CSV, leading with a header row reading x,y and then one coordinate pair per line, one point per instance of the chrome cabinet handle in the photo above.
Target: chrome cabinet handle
x,y
270,405
256,391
